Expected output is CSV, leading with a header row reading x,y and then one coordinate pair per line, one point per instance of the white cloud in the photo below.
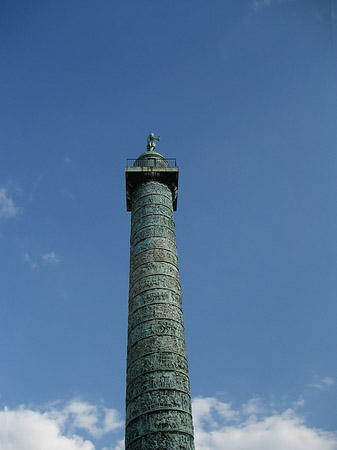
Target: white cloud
x,y
50,258
112,420
323,384
328,380
7,206
237,431
66,159
54,428
253,406
209,410
47,258
120,445
29,261
31,430
217,426
88,418
299,402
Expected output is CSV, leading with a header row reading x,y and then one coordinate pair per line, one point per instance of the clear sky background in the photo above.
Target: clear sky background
x,y
244,95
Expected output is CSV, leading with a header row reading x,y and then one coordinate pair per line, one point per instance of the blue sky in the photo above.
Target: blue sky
x,y
243,94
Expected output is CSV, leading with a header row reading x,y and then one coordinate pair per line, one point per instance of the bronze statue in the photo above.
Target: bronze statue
x,y
151,142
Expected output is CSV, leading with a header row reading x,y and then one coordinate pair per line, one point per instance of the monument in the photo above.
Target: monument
x,y
158,401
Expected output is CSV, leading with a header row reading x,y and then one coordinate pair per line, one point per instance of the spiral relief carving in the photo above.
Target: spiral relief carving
x,y
158,404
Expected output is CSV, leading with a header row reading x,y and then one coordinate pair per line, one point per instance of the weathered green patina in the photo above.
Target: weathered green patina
x,y
158,403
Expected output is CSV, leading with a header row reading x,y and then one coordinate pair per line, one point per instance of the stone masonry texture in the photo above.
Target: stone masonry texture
x,y
158,403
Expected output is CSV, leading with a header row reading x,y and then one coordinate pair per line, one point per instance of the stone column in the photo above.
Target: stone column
x,y
158,404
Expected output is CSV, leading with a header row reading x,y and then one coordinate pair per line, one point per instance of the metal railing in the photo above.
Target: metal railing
x,y
151,162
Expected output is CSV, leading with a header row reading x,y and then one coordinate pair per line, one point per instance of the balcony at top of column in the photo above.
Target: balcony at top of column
x,y
151,166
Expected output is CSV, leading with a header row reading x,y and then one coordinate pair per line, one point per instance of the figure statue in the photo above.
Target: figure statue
x,y
151,142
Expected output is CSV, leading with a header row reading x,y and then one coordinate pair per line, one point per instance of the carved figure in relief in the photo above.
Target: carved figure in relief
x,y
151,142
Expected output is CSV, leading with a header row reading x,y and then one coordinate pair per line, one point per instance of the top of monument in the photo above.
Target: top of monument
x,y
151,142
151,159
151,166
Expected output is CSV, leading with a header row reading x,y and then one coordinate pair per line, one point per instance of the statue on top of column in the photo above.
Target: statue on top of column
x,y
151,142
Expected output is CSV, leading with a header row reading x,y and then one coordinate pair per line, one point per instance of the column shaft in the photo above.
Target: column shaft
x,y
158,404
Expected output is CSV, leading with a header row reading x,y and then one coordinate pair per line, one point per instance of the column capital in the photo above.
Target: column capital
x,y
151,166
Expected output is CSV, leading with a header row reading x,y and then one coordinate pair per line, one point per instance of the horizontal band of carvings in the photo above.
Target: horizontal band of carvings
x,y
154,220
134,318
151,219
159,421
139,301
148,188
156,327
156,344
154,206
154,255
154,231
153,268
152,199
148,210
162,440
138,222
158,311
155,281
157,369
136,389
134,419
152,401
155,381
159,440
157,361
152,243
141,196
167,296
149,242
134,366
168,336
155,311
157,397
160,379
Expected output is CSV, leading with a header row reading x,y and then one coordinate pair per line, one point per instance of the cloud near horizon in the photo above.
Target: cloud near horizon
x,y
217,426
56,428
